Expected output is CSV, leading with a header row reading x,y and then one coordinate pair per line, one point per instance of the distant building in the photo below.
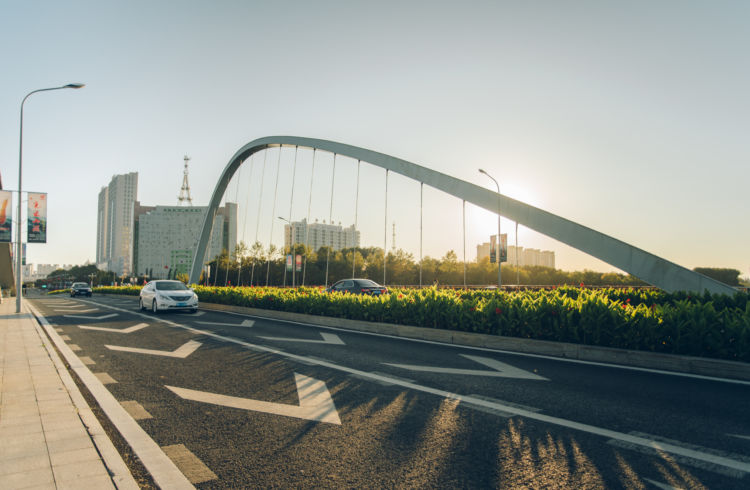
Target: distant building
x,y
114,224
316,235
166,237
526,257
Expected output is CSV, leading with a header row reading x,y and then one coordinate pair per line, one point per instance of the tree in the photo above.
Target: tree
x,y
727,276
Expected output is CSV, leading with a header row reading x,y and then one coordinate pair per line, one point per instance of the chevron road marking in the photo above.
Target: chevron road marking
x,y
315,402
181,352
91,317
245,323
500,369
134,328
328,338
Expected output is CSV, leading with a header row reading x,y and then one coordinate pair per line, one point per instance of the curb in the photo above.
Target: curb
x,y
651,360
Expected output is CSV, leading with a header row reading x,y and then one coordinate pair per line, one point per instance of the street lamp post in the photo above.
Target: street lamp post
x,y
499,243
19,245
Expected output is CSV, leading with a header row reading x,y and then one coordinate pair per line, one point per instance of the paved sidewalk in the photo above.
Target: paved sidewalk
x,y
47,431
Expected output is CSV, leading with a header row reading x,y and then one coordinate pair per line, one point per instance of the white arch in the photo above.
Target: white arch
x,y
639,263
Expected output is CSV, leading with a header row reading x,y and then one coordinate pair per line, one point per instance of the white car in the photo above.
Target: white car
x,y
165,294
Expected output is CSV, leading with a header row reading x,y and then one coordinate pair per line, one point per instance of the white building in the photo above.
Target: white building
x,y
526,257
114,223
167,237
316,235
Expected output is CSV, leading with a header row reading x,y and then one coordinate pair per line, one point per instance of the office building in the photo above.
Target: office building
x,y
526,256
316,235
114,224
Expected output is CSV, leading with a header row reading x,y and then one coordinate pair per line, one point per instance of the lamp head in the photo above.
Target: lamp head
x,y
482,171
75,85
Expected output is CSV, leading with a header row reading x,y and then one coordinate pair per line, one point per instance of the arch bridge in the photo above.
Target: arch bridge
x,y
633,260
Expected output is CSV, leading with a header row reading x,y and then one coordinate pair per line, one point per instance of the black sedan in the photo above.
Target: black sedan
x,y
80,288
358,286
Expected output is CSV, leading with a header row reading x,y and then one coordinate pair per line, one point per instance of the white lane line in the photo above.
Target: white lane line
x,y
500,369
315,402
663,486
739,436
181,352
191,466
591,429
132,329
328,338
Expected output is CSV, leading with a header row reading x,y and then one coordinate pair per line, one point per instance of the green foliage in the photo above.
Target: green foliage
x,y
707,325
727,276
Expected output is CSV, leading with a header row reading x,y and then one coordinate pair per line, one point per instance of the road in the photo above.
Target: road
x,y
240,401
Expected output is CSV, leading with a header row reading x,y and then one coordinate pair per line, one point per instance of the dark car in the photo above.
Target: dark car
x,y
80,288
358,286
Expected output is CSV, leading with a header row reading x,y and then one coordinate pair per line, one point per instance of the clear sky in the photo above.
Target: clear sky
x,y
631,118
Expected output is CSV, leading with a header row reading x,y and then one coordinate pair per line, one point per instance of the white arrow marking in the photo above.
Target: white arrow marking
x,y
134,328
245,323
315,402
91,317
501,370
75,311
197,313
663,486
181,352
739,436
328,338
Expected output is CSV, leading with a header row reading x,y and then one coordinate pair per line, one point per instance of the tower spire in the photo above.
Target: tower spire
x,y
185,189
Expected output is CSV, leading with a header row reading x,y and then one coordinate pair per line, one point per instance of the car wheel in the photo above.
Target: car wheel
x,y
140,304
194,310
154,309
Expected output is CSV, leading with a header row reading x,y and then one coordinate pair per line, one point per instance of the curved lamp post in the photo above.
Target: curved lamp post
x,y
497,252
19,245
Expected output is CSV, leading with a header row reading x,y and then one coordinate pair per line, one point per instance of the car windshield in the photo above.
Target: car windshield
x,y
80,285
170,286
366,283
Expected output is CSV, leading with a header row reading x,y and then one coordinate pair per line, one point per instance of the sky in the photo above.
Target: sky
x,y
630,118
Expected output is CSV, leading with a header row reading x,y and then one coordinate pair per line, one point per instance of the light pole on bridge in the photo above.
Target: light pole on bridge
x,y
499,238
19,245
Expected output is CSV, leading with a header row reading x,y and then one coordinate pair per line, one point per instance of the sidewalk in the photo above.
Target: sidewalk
x,y
47,431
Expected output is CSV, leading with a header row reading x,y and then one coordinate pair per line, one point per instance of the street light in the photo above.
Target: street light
x,y
499,241
19,245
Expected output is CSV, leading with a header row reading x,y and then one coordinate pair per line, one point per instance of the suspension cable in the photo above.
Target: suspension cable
x,y
291,228
356,207
330,216
464,238
257,219
244,221
273,212
236,193
385,229
421,201
307,223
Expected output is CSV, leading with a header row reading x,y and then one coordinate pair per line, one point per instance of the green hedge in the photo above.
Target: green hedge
x,y
707,325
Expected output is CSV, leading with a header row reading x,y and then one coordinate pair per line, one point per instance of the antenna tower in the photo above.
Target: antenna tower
x,y
185,189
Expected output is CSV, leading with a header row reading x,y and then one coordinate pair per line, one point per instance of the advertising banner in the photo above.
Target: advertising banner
x,y
37,218
289,262
493,248
299,263
504,247
6,227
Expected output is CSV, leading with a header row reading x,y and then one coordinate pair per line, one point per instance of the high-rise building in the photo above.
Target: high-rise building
x,y
166,237
114,237
526,256
316,235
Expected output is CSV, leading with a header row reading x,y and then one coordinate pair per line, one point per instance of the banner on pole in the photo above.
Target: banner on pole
x,y
504,247
289,262
298,261
6,223
493,248
37,218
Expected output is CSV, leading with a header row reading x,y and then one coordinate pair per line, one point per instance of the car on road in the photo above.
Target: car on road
x,y
80,289
358,286
162,295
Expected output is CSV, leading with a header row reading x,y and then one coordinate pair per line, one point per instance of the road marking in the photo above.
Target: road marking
x,y
136,410
739,436
87,361
500,369
663,486
192,467
92,317
591,429
315,402
74,309
134,328
65,338
181,352
328,338
245,323
74,347
197,313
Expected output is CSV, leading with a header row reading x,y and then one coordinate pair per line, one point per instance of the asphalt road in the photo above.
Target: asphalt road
x,y
265,403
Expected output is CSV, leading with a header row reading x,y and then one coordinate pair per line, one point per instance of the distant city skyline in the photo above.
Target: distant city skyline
x,y
639,136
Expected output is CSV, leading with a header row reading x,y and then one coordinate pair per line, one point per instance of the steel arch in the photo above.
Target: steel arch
x,y
639,263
